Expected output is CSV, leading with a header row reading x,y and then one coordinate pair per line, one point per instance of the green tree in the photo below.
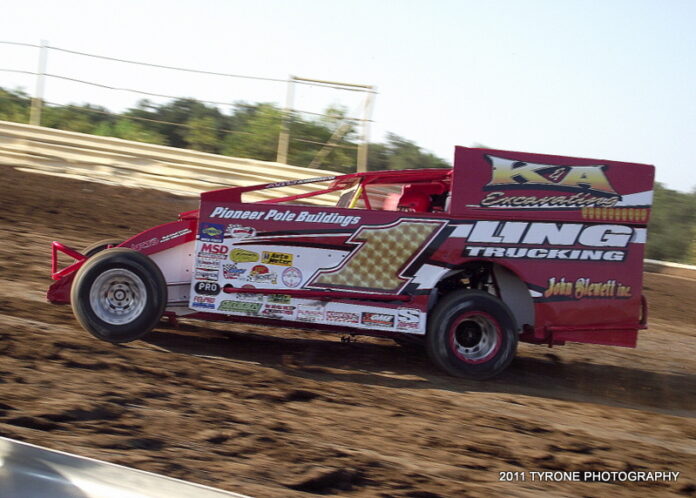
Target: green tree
x,y
399,153
202,134
129,129
672,223
14,106
257,134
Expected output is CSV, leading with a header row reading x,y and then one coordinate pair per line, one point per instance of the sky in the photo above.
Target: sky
x,y
609,79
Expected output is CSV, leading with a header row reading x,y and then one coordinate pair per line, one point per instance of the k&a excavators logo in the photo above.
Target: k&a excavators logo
x,y
581,186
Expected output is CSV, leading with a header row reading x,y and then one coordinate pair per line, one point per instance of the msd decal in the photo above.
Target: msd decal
x,y
588,186
214,249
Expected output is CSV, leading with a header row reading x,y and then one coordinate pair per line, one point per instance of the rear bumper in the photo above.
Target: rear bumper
x,y
59,291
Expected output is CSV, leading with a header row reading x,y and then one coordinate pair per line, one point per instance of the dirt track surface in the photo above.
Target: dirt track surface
x,y
279,413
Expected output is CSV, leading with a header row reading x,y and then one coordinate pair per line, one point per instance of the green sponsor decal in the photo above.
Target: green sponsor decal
x,y
279,298
240,307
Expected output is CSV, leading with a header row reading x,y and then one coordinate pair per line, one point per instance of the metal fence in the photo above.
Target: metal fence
x,y
134,164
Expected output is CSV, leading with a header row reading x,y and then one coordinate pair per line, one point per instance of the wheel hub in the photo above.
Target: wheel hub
x,y
118,296
474,337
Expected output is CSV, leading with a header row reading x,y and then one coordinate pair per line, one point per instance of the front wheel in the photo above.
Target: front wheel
x,y
99,246
472,334
118,295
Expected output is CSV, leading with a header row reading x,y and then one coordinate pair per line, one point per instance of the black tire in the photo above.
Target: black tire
x,y
97,247
472,334
119,295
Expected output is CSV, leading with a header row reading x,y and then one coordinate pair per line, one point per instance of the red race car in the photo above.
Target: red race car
x,y
503,247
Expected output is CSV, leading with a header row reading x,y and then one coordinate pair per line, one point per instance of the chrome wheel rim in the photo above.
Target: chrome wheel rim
x,y
474,338
118,296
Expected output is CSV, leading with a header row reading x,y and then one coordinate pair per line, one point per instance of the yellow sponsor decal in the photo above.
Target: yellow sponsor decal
x,y
244,256
584,288
509,172
277,258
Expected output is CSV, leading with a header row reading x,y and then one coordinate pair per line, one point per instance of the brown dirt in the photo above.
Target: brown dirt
x,y
279,413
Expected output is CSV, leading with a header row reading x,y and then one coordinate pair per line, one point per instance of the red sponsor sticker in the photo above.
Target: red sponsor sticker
x,y
378,319
342,317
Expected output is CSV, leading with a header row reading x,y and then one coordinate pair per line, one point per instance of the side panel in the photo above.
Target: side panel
x,y
573,229
287,250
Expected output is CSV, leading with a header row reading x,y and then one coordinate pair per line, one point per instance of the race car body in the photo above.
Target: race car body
x,y
505,246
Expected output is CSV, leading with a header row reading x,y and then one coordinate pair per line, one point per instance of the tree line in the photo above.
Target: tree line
x,y
252,131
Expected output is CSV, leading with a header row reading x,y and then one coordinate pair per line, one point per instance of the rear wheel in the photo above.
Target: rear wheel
x,y
472,334
119,295
97,247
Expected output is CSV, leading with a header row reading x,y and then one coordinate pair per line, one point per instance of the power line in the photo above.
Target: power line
x,y
152,94
131,90
20,44
138,118
352,147
18,71
335,85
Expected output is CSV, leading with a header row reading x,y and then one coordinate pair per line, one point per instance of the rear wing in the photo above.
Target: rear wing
x,y
490,183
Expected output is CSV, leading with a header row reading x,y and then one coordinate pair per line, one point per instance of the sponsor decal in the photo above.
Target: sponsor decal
x,y
203,305
332,218
249,308
541,253
408,319
310,313
209,275
214,249
292,277
342,317
175,235
206,263
580,186
145,245
203,302
244,256
207,288
585,288
371,319
276,258
239,231
248,296
278,310
261,274
231,272
279,298
554,234
211,232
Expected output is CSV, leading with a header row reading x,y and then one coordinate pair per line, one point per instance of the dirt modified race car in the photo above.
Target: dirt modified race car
x,y
503,247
